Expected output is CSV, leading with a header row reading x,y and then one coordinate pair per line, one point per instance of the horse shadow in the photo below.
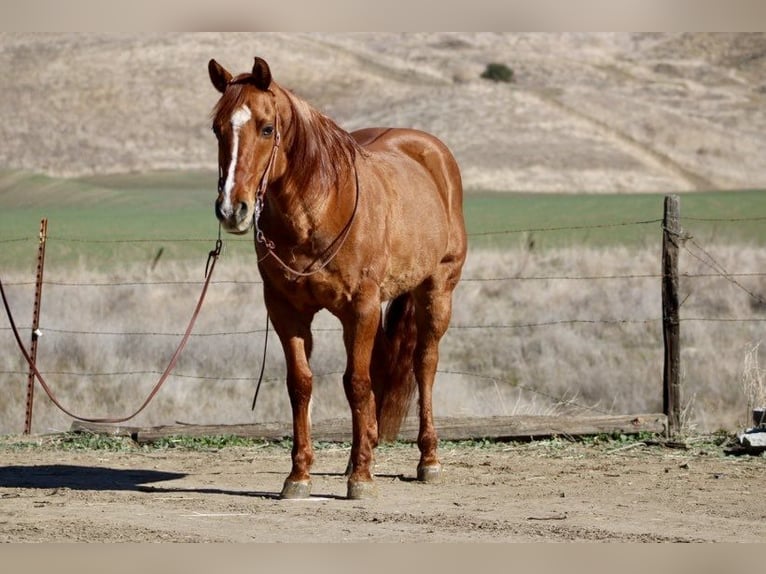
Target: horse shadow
x,y
51,476
91,478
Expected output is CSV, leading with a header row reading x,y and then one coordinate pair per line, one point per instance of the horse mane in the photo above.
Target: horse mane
x,y
318,150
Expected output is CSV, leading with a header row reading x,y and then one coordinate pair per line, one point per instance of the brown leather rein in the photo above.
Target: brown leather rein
x,y
209,267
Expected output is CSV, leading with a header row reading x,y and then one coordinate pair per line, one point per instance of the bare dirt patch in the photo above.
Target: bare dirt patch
x,y
541,491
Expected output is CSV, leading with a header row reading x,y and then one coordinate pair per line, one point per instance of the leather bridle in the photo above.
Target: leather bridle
x,y
260,194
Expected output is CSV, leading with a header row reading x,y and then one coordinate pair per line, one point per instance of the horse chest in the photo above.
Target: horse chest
x,y
318,291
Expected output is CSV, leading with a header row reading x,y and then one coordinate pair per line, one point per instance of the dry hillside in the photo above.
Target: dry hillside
x,y
586,112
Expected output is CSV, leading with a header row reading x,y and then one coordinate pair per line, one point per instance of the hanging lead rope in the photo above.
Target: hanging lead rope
x,y
263,362
209,267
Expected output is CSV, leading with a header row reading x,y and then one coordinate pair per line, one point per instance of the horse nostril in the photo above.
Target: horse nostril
x,y
242,211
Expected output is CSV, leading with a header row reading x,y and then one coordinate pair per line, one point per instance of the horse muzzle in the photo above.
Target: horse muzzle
x,y
236,217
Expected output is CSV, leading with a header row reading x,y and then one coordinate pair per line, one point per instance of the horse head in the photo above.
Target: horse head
x,y
246,124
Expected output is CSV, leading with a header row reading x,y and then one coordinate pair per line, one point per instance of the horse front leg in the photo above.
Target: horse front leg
x,y
299,388
294,330
360,325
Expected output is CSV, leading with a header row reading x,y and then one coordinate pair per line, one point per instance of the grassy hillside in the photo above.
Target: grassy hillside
x,y
595,112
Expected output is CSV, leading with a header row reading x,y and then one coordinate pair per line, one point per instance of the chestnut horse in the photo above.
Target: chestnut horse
x,y
344,222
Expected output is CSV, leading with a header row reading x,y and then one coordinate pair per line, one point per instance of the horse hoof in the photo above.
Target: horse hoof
x,y
431,473
361,490
296,489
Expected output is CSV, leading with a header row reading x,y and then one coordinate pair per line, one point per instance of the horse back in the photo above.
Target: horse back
x,y
425,153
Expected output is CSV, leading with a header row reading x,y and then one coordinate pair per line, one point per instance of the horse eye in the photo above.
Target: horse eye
x,y
267,131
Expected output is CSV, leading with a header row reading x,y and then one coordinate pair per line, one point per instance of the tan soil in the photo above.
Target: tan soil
x,y
543,491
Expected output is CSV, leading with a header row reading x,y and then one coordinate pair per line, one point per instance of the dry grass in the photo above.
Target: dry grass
x,y
609,360
611,113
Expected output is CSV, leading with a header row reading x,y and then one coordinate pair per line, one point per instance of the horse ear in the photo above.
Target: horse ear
x,y
261,74
218,75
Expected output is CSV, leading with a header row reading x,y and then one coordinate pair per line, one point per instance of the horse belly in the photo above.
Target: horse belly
x,y
402,281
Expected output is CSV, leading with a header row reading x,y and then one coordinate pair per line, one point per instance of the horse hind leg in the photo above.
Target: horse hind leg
x,y
433,312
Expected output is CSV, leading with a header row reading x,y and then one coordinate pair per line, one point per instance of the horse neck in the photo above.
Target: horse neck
x,y
318,180
301,212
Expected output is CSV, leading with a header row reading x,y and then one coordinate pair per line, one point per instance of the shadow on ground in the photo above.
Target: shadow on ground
x,y
81,477
53,476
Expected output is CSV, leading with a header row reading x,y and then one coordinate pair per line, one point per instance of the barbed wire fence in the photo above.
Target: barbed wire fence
x,y
691,247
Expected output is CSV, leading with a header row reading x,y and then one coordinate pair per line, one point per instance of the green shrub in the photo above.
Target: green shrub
x,y
497,72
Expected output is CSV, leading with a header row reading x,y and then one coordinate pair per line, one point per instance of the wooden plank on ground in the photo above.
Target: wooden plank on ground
x,y
449,428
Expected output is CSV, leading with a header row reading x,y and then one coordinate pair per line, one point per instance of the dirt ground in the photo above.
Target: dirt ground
x,y
542,491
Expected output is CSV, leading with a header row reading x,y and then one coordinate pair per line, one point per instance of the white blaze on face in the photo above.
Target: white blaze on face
x,y
239,118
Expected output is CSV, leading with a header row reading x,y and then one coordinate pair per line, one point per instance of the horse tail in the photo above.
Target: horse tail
x,y
393,359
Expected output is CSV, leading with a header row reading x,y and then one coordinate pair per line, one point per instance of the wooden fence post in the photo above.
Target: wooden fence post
x,y
671,331
35,324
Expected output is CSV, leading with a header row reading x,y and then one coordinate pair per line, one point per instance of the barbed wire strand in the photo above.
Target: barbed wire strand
x,y
714,264
73,239
508,326
564,228
53,283
723,219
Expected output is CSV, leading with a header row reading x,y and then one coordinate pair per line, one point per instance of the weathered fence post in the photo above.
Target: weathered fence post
x,y
671,331
35,324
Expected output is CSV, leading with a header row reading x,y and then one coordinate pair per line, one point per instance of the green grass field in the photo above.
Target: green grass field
x,y
607,220
89,218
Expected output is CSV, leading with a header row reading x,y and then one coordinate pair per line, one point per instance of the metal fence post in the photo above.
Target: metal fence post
x,y
35,324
